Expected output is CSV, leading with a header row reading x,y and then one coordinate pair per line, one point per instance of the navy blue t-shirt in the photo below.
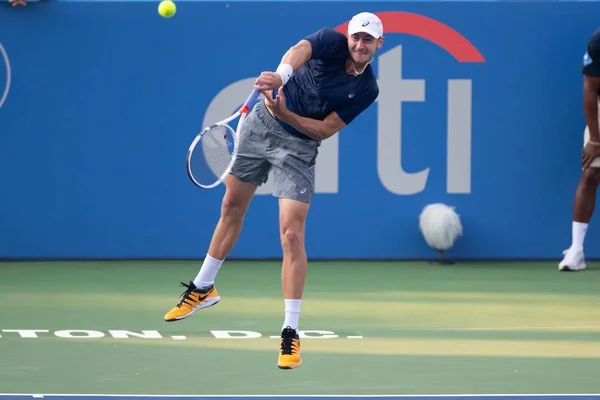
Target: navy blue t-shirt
x,y
591,58
322,84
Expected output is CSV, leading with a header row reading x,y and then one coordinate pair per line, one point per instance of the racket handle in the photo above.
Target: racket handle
x,y
252,98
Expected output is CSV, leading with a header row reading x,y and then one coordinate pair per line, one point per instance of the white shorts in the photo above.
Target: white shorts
x,y
586,139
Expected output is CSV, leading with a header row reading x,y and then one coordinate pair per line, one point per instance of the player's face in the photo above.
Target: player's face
x,y
362,47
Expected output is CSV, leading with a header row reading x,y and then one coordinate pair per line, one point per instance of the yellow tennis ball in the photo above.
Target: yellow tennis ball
x,y
167,8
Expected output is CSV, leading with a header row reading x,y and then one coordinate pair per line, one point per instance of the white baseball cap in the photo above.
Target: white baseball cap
x,y
367,23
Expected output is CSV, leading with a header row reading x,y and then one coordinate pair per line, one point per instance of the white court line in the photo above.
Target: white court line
x,y
38,395
8,75
516,328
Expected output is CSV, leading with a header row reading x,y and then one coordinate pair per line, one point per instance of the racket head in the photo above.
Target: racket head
x,y
211,155
213,152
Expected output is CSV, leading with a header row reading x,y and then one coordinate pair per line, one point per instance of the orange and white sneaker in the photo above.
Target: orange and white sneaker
x,y
192,300
289,351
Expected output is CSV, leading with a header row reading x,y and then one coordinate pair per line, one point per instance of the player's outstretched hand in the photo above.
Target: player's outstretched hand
x,y
268,81
589,153
277,104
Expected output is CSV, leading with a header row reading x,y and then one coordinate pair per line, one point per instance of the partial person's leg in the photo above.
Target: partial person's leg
x,y
250,170
583,208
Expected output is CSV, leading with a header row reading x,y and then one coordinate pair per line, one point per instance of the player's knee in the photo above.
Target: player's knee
x,y
233,207
591,177
291,238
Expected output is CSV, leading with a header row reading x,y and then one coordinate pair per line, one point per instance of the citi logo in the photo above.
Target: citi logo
x,y
393,92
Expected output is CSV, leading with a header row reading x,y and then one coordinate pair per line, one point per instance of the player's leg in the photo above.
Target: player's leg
x,y
583,208
236,200
292,220
293,160
250,170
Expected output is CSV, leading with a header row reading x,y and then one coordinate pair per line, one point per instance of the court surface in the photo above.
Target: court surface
x,y
312,397
518,330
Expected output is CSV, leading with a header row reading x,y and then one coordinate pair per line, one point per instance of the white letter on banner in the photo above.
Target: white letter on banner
x,y
459,136
393,91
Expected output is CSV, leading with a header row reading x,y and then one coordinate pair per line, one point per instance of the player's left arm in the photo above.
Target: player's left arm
x,y
591,85
318,130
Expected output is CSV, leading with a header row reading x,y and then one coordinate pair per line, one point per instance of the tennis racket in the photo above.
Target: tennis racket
x,y
212,153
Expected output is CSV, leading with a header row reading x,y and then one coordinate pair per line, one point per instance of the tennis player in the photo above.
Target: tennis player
x,y
324,82
585,195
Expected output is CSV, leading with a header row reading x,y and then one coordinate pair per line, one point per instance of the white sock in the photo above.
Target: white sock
x,y
292,313
579,231
208,272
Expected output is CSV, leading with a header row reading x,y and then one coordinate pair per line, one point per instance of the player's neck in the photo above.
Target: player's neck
x,y
355,69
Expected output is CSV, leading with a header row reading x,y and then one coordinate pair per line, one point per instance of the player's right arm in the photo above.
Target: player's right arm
x,y
293,59
298,54
322,44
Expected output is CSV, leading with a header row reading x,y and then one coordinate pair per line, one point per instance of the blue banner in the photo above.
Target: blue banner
x,y
479,108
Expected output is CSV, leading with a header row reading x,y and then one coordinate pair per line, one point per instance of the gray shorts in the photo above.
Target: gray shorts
x,y
266,147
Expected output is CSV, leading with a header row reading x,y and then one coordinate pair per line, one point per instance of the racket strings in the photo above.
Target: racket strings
x,y
212,156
